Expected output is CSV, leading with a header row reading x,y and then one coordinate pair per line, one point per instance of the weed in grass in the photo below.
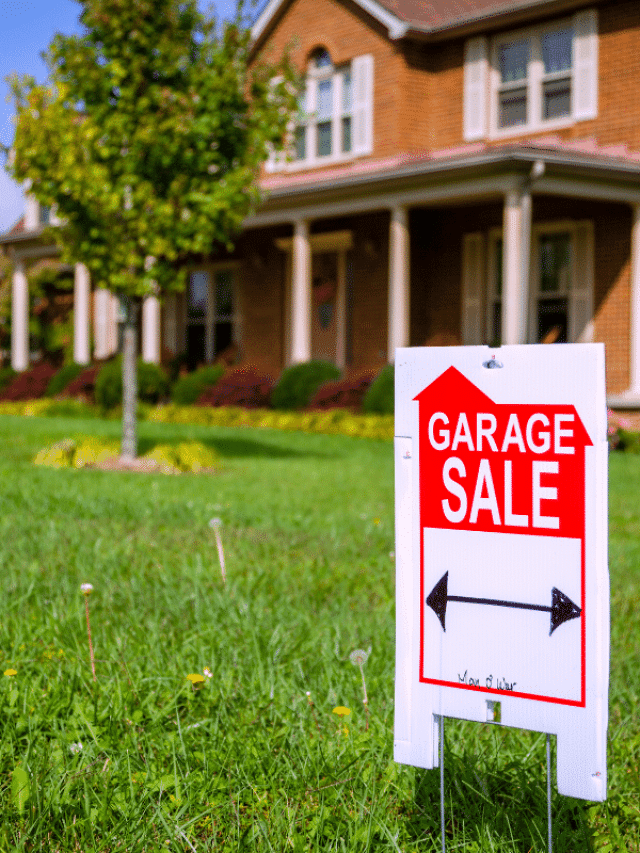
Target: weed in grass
x,y
87,589
358,658
215,524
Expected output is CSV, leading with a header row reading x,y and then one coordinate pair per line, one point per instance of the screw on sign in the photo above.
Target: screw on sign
x,y
502,584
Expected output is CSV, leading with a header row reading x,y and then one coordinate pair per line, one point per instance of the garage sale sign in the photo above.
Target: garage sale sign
x,y
501,551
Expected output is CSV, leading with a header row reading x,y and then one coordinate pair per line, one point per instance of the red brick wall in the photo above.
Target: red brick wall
x,y
346,32
618,120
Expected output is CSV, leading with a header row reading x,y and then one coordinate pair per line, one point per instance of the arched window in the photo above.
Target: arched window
x,y
324,127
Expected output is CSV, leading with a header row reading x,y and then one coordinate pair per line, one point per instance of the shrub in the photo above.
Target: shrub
x,y
108,386
91,451
343,394
6,375
243,387
187,389
298,384
379,399
153,384
59,455
77,453
29,385
188,456
62,378
84,384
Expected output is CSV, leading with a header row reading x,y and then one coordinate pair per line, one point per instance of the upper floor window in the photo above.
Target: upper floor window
x,y
534,79
335,113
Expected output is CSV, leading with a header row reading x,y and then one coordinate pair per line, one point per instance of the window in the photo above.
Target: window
x,y
552,284
211,314
325,116
560,304
334,118
534,79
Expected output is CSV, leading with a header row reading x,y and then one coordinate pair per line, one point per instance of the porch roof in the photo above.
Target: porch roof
x,y
614,167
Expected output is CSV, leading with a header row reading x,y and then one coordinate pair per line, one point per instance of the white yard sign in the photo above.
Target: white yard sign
x,y
501,549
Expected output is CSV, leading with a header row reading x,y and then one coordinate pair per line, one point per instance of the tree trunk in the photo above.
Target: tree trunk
x,y
129,446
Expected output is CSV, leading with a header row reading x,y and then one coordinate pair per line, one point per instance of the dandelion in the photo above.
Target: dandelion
x,y
196,680
358,658
341,711
313,710
10,672
86,589
215,524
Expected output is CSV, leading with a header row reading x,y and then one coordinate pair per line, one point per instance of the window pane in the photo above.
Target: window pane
x,y
513,107
322,59
346,92
325,99
556,50
555,263
223,337
556,98
197,301
45,214
300,143
224,294
302,106
346,134
324,139
552,321
514,58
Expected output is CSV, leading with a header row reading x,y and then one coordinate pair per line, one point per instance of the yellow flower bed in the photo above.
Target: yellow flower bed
x,y
330,422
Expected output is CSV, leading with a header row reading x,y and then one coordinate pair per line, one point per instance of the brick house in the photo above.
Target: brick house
x,y
459,173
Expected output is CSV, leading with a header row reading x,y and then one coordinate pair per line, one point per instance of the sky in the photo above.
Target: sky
x,y
27,27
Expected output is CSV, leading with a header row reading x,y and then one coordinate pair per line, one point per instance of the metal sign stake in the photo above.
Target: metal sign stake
x,y
442,781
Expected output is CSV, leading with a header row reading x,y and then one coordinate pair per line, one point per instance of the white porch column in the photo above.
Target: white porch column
x,y
516,254
101,314
634,331
19,319
81,300
301,293
151,329
399,282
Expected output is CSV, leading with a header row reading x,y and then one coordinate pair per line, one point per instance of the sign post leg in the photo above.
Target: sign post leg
x,y
442,781
549,823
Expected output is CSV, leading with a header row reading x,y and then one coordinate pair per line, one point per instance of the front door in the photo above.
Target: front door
x,y
325,315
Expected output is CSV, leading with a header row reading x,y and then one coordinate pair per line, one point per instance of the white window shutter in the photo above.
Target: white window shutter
x,y
362,70
581,293
476,79
585,65
473,264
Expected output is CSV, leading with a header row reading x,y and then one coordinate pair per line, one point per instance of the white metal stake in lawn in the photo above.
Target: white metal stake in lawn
x,y
501,551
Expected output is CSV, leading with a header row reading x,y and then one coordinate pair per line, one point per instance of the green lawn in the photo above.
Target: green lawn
x,y
250,761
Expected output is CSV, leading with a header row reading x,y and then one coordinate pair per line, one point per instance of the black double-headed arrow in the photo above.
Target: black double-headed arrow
x,y
562,608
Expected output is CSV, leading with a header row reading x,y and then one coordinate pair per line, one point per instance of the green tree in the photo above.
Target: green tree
x,y
148,139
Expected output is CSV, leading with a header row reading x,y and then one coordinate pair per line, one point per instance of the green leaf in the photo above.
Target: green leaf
x,y
20,788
